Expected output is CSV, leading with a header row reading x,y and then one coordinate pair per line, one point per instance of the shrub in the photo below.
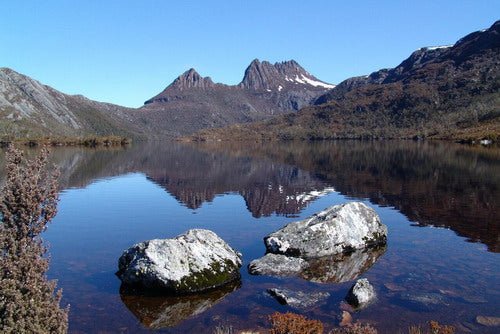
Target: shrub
x,y
224,330
434,328
291,323
356,328
29,303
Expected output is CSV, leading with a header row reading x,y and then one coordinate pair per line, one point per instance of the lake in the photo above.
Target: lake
x,y
440,201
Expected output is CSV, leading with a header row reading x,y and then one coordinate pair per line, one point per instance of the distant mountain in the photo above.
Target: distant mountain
x,y
190,103
31,109
450,92
193,102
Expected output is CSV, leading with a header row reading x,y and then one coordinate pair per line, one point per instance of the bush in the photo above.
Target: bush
x,y
434,328
291,323
356,328
29,303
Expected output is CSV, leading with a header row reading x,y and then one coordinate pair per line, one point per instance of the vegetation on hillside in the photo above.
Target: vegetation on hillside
x,y
88,141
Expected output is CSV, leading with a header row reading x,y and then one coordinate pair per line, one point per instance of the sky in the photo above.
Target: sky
x,y
125,52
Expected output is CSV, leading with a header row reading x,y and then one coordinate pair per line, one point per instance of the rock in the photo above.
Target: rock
x,y
394,287
427,301
298,299
488,321
474,299
195,261
346,319
277,265
156,312
338,268
338,229
335,245
361,294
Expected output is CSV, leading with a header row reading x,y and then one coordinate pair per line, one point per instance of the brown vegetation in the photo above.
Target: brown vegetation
x,y
91,141
434,328
29,302
291,323
356,328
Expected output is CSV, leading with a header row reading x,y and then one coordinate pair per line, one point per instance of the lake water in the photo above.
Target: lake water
x,y
440,201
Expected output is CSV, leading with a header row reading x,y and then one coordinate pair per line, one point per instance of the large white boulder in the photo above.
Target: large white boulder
x,y
338,229
195,261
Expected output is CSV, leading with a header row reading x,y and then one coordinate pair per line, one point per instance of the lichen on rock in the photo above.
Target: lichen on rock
x,y
195,261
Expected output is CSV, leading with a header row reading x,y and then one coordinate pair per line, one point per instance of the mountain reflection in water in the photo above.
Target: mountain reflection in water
x,y
432,183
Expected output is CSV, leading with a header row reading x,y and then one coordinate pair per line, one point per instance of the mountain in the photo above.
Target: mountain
x,y
190,103
448,92
193,102
31,109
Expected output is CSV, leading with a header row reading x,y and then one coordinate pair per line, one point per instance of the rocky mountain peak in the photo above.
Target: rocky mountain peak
x,y
266,76
191,79
186,81
258,75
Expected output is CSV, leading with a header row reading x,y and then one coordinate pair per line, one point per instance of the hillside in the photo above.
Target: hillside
x,y
449,92
30,109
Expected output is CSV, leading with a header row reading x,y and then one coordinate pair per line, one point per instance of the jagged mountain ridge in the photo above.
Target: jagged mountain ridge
x,y
258,76
193,102
265,76
450,92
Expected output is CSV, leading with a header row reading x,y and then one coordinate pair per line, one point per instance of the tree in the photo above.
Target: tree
x,y
29,302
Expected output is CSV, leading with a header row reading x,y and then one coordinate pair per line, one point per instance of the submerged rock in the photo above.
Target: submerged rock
x,y
361,294
342,267
488,321
156,312
428,301
327,269
338,229
195,261
298,299
277,265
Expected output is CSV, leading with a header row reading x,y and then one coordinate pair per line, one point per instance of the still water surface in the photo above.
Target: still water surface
x,y
440,201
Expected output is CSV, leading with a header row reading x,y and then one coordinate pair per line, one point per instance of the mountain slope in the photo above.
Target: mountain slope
x,y
440,92
193,102
31,109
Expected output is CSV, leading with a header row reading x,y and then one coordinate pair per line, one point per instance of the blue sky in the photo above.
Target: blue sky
x,y
125,52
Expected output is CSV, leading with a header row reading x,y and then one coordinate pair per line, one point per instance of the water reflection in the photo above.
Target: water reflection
x,y
338,268
432,183
341,268
157,312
